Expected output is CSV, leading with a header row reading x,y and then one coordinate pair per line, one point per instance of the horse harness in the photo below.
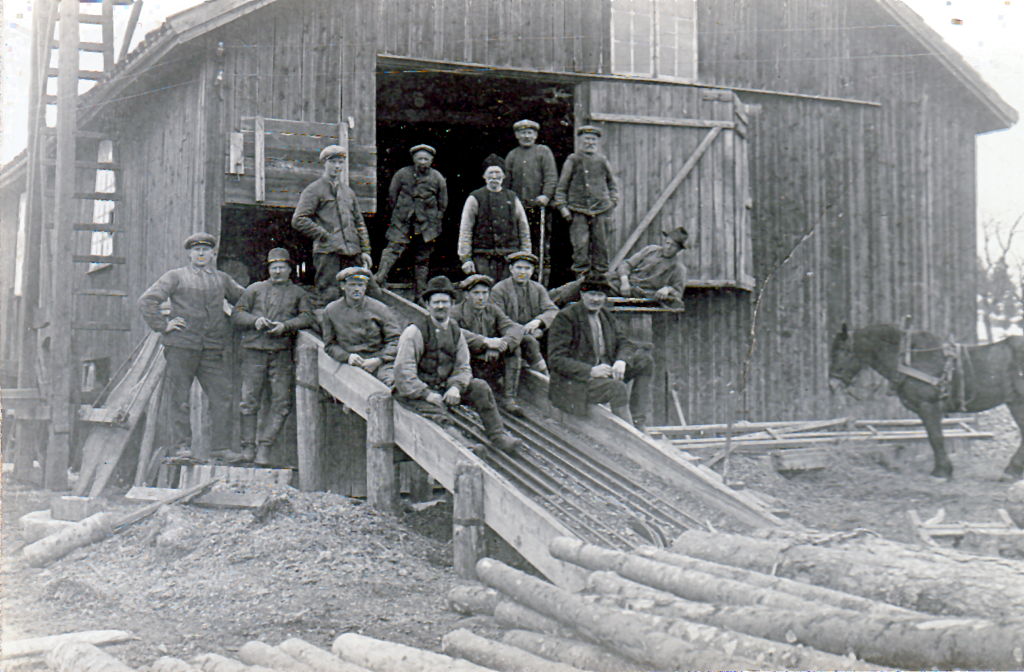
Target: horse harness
x,y
954,355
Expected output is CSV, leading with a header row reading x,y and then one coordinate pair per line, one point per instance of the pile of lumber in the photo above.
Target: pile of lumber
x,y
713,603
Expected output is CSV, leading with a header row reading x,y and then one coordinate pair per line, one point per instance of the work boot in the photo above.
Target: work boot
x,y
640,425
184,451
248,451
263,454
247,432
420,276
387,260
227,455
505,443
509,405
540,367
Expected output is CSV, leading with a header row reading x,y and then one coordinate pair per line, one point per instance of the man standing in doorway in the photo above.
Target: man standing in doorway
x,y
194,336
270,313
493,225
533,176
419,197
328,212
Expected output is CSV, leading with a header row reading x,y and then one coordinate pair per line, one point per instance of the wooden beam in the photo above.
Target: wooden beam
x,y
129,31
261,162
308,416
381,487
665,195
468,540
660,121
107,14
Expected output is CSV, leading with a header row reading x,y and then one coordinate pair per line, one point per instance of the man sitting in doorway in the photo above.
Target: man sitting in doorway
x,y
533,176
493,341
328,212
591,361
270,313
493,225
359,330
432,369
526,302
656,272
194,336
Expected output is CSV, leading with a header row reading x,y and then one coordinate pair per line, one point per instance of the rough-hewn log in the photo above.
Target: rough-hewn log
x,y
468,532
511,614
57,545
309,420
317,658
570,651
464,644
83,657
382,656
681,618
261,653
940,643
936,581
38,645
169,664
473,598
629,634
211,662
381,486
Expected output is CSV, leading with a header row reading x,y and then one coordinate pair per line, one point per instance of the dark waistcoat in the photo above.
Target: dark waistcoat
x,y
496,227
438,360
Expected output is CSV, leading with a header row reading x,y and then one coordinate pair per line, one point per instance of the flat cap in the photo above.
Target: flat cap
x,y
423,148
494,160
201,238
474,280
353,271
522,256
596,283
678,234
589,129
331,150
278,254
525,123
439,284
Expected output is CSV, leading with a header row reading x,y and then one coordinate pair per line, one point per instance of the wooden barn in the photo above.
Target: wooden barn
x,y
821,153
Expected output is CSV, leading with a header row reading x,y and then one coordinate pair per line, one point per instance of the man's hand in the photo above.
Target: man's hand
x,y
177,324
532,326
624,286
543,200
370,365
495,343
262,324
601,371
663,294
453,397
366,260
277,330
619,370
491,355
564,212
435,399
469,268
355,360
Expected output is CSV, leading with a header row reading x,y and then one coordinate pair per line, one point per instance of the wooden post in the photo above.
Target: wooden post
x,y
259,133
421,488
468,519
381,490
308,416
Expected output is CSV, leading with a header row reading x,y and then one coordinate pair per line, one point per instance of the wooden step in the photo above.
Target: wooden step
x,y
93,75
87,226
96,259
96,19
95,47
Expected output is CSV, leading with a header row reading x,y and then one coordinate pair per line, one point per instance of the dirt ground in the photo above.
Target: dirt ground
x,y
192,580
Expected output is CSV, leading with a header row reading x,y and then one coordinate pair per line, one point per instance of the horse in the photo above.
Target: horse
x,y
933,383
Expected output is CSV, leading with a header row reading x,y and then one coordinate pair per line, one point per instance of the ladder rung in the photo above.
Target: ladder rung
x,y
92,135
95,47
50,100
88,196
91,18
101,292
94,75
101,326
96,259
85,226
93,165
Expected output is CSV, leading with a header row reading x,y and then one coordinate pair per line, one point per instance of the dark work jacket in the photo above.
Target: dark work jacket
x,y
496,227
418,203
287,303
438,360
197,296
571,355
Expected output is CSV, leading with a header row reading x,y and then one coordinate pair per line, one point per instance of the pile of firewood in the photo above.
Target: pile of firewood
x,y
716,603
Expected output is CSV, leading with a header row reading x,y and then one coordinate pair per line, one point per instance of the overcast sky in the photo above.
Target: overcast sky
x,y
989,34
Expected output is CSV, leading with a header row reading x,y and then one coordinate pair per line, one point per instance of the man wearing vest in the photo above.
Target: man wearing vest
x,y
194,335
270,313
533,176
493,341
493,225
591,361
526,302
432,369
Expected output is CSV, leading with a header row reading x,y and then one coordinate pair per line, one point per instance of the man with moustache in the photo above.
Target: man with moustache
x,y
493,225
591,361
433,372
269,313
359,330
526,303
533,176
328,213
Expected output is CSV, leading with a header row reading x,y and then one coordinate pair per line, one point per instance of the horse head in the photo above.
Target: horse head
x,y
843,363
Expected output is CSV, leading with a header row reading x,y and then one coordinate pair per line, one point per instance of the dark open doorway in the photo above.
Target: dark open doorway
x,y
465,118
248,232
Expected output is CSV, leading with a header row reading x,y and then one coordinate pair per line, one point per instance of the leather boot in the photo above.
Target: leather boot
x,y
508,397
505,443
247,430
263,454
387,260
420,276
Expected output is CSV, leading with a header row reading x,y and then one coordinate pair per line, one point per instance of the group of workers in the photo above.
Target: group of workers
x,y
462,352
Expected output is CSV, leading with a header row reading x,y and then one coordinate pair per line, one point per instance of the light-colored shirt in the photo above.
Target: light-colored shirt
x,y
469,212
410,350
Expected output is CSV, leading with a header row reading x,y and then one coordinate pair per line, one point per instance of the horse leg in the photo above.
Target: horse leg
x,y
931,416
1015,469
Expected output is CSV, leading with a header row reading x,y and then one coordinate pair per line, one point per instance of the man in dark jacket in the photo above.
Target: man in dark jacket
x,y
493,341
493,225
328,213
270,313
194,335
432,369
590,360
418,197
533,176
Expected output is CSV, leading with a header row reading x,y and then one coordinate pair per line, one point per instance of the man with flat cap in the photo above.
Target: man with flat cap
x,y
493,225
591,361
586,195
194,335
359,330
656,272
493,341
526,303
269,314
328,212
433,372
533,176
418,197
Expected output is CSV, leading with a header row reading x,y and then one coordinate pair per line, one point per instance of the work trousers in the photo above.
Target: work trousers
x,y
477,396
327,267
501,373
531,349
639,368
260,367
209,366
541,244
422,251
493,266
589,236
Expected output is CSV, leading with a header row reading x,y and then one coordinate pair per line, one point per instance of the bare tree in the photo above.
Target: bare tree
x,y
1000,294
